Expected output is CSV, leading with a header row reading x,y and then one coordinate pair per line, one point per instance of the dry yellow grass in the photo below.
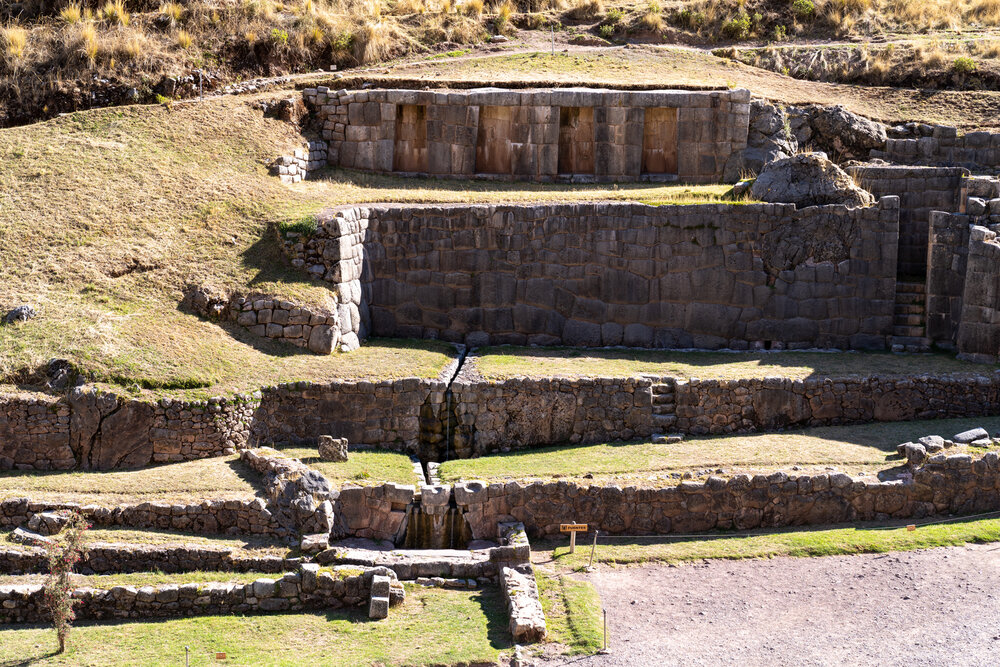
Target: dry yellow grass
x,y
192,481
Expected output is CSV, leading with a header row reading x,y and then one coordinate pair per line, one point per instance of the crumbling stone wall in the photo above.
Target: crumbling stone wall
x,y
514,134
947,256
979,330
944,485
921,190
706,276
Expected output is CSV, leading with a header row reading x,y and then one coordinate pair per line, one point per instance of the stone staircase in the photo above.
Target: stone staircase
x,y
664,405
910,318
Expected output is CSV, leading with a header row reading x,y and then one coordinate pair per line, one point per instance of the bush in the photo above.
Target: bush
x,y
964,65
804,9
614,16
14,41
62,556
606,31
279,37
738,27
184,39
114,13
71,14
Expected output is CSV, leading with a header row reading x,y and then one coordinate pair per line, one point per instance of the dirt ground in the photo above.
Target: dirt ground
x,y
932,607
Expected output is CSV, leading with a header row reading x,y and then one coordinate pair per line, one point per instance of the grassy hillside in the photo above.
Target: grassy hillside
x,y
106,216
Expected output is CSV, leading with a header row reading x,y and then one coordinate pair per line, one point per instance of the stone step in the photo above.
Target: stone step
x,y
664,421
908,320
664,409
908,332
662,388
909,309
910,287
909,298
663,399
910,344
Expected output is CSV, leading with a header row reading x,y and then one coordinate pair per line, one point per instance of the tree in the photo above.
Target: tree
x,y
63,554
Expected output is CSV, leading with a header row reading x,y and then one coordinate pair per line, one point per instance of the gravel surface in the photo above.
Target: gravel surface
x,y
932,607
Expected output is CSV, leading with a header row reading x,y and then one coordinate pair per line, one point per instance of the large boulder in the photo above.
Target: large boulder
x,y
808,179
845,135
769,139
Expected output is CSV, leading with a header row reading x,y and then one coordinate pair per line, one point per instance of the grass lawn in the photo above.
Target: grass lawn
x,y
817,541
572,611
433,626
497,363
362,467
216,478
860,448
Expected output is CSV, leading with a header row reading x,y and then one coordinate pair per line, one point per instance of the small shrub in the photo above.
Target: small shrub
x,y
184,39
651,21
15,39
133,47
803,9
250,36
71,14
606,31
614,16
653,7
115,13
62,556
964,65
279,37
90,44
780,33
343,41
502,20
738,27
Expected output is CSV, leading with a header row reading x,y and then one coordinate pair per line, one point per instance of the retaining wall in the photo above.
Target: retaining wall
x,y
979,330
920,191
563,134
943,146
945,485
294,591
706,276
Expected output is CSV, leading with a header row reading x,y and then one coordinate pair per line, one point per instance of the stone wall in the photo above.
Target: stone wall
x,y
938,145
944,485
515,134
948,250
224,516
295,591
302,162
101,431
920,191
122,558
979,330
316,327
706,276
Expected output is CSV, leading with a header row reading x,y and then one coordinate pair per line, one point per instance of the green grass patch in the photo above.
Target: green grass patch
x,y
798,542
504,362
572,612
362,467
852,449
433,626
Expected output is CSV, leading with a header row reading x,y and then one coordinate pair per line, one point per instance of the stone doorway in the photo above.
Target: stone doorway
x,y
576,140
493,151
659,141
410,148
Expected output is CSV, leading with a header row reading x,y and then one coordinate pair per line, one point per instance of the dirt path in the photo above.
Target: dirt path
x,y
932,607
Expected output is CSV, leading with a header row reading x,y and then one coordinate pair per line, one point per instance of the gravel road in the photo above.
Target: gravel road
x,y
931,607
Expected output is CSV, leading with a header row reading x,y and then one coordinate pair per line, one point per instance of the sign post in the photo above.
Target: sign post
x,y
572,529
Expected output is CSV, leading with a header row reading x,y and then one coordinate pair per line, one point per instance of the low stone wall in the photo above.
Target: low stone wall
x,y
302,162
534,134
296,591
921,190
940,145
103,558
231,517
944,485
494,417
316,327
947,257
374,512
101,431
979,330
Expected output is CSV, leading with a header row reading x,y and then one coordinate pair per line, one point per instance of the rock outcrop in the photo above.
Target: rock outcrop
x,y
808,180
